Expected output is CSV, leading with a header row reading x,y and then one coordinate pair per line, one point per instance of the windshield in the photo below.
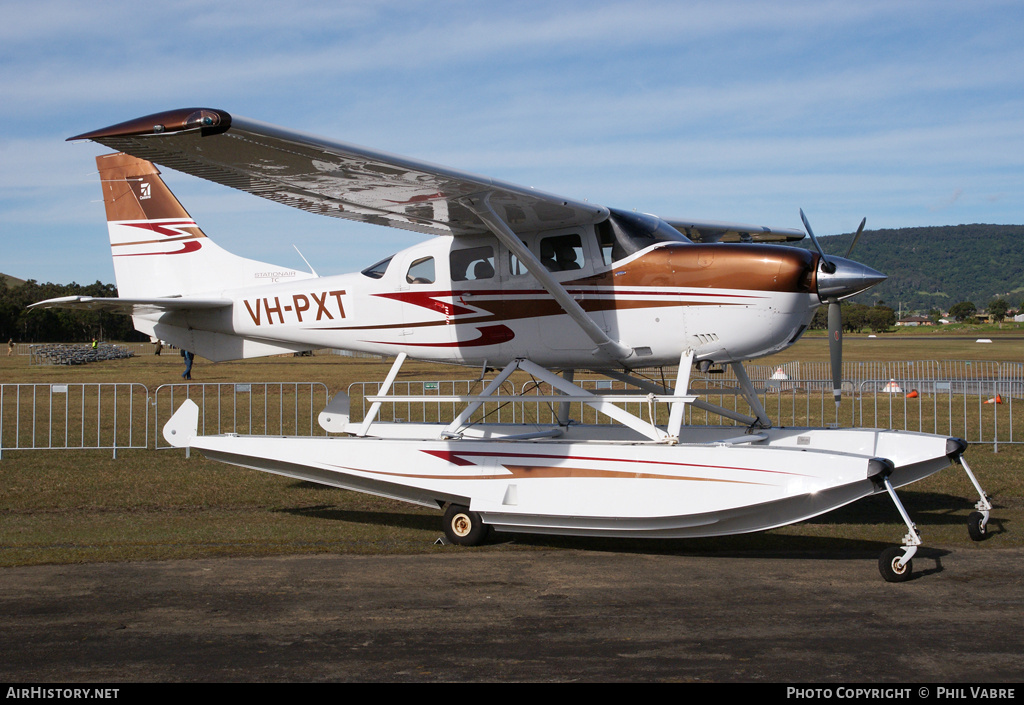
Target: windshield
x,y
625,233
377,270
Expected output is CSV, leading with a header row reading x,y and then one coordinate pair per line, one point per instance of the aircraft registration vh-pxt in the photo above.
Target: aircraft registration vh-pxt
x,y
517,280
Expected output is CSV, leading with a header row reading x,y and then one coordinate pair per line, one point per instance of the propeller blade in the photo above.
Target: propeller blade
x,y
856,237
835,347
844,278
825,263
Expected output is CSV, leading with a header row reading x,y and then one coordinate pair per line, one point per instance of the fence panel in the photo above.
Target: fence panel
x,y
979,411
247,408
73,416
858,371
431,412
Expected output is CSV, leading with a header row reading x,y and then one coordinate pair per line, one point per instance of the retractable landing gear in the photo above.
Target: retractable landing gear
x,y
895,563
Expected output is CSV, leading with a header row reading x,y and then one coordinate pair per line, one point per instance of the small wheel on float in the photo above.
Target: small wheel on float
x,y
889,565
463,527
976,526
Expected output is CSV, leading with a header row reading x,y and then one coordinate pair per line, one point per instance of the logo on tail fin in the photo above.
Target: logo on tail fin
x,y
174,230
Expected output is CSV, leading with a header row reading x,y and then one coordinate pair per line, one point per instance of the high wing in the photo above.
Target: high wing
x,y
344,180
334,178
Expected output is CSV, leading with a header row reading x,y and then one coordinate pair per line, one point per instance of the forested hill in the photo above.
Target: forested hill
x,y
937,267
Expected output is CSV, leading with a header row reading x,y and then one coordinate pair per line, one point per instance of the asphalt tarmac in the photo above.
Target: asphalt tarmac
x,y
507,615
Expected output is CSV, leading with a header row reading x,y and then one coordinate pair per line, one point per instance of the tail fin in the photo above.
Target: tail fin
x,y
158,249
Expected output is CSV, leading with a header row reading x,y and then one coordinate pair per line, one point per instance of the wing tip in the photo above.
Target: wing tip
x,y
209,121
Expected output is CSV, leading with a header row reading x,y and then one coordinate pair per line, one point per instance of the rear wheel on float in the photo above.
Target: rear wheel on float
x,y
463,527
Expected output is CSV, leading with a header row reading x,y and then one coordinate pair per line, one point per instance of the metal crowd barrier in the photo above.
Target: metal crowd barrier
x,y
72,415
77,416
979,411
248,408
428,411
118,415
857,371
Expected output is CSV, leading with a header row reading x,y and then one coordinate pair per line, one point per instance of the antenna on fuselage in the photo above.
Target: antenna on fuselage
x,y
311,270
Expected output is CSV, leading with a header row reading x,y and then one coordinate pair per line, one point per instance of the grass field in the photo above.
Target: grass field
x,y
75,506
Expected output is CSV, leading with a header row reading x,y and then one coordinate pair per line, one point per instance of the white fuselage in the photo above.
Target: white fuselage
x,y
467,301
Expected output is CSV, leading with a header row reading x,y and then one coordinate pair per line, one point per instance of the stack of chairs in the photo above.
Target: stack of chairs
x,y
61,354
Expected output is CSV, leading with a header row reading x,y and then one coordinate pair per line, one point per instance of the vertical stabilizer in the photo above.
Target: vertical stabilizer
x,y
158,249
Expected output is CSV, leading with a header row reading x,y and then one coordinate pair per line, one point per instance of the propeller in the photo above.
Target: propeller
x,y
839,278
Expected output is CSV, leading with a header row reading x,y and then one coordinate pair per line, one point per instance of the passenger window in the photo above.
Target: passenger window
x,y
421,271
562,253
472,264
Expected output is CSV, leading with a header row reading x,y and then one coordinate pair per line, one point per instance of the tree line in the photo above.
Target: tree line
x,y
880,318
24,325
857,317
965,311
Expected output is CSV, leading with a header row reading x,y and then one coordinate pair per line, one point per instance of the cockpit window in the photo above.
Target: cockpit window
x,y
377,270
626,233
421,271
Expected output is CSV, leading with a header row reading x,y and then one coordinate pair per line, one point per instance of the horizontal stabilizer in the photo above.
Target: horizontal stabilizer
x,y
133,306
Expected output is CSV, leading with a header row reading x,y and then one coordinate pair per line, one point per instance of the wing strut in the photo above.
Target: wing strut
x,y
606,346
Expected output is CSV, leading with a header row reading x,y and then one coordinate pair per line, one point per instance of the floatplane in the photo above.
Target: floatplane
x,y
515,279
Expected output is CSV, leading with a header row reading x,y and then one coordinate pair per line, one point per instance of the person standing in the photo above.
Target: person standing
x,y
187,374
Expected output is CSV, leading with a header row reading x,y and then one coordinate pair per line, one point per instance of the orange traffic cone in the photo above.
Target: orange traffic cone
x,y
995,400
912,394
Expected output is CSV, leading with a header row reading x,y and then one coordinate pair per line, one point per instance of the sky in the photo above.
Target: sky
x,y
906,113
